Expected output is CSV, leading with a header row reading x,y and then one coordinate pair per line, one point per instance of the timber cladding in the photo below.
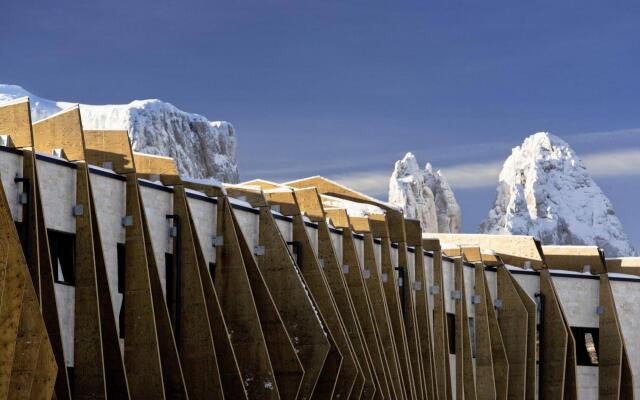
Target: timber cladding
x,y
300,301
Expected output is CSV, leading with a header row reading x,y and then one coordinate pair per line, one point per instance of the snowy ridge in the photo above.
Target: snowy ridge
x,y
545,191
424,195
202,148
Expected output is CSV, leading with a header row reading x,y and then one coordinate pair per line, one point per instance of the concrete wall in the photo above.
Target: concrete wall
x,y
205,217
579,298
627,297
110,207
10,167
157,204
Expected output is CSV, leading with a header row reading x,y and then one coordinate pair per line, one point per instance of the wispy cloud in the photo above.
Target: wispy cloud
x,y
613,163
483,175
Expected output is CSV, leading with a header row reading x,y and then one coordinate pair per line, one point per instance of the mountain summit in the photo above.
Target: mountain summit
x,y
545,191
201,148
424,195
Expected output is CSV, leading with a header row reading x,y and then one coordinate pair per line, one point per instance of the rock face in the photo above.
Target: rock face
x,y
202,148
545,191
424,195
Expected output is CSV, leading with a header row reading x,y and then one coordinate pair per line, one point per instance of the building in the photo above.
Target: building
x,y
120,279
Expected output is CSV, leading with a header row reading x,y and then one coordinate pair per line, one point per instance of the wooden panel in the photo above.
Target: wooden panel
x,y
115,375
251,194
390,287
556,339
195,340
15,120
626,384
335,278
290,296
486,387
109,146
288,369
532,328
357,289
465,379
501,365
574,258
31,333
26,367
283,198
172,375
324,300
264,184
49,303
513,319
30,219
413,344
338,217
62,130
611,345
440,331
141,350
239,308
381,313
89,380
232,384
310,204
513,249
165,168
424,321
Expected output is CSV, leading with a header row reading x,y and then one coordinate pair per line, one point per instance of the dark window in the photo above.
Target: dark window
x,y
212,272
586,345
20,229
62,247
170,276
121,320
472,334
121,269
451,328
71,380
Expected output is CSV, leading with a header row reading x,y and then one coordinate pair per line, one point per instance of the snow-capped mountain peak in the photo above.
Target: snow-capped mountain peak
x,y
201,148
545,191
424,195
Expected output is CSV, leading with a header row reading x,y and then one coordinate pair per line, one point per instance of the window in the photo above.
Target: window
x,y
472,335
451,328
212,272
170,280
62,248
121,320
121,267
586,345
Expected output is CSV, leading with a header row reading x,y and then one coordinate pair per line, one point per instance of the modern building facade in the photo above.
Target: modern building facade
x,y
120,279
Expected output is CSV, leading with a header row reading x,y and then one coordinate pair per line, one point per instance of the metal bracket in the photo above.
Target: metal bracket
x,y
217,241
456,294
127,220
77,210
434,289
400,282
366,273
417,286
259,250
385,277
345,269
321,262
23,198
475,299
600,310
497,303
173,231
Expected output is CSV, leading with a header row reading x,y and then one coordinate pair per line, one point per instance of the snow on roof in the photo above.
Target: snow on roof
x,y
353,208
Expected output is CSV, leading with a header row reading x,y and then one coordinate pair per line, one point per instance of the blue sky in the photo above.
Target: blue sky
x,y
345,88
